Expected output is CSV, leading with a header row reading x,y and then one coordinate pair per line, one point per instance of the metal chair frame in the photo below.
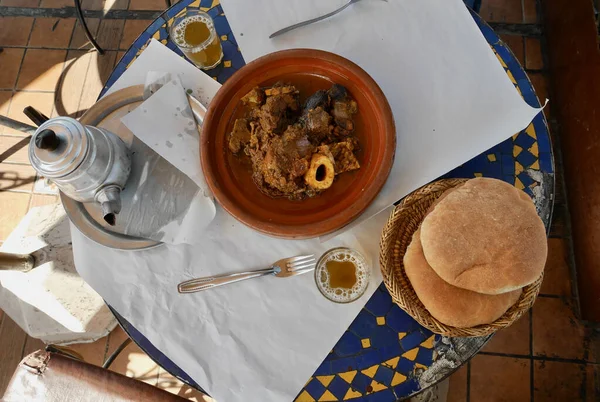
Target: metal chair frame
x,y
86,30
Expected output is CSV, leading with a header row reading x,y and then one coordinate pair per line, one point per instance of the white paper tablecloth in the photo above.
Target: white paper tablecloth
x,y
262,339
451,98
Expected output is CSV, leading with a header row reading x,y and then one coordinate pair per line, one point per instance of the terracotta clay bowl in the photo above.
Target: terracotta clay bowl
x,y
230,177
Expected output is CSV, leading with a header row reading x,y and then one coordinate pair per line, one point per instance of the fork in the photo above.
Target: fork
x,y
283,268
313,20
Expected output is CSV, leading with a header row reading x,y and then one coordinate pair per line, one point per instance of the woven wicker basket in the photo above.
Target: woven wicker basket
x,y
397,235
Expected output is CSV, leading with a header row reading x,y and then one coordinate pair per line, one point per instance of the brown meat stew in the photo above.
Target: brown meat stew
x,y
295,151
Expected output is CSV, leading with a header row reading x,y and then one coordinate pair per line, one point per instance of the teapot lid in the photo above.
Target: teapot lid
x,y
58,147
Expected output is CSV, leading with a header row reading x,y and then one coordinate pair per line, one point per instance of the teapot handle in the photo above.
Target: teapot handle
x,y
37,117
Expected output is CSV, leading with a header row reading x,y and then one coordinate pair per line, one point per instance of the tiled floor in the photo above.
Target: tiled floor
x,y
548,355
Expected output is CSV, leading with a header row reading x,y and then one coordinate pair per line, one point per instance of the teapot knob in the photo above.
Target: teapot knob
x,y
47,139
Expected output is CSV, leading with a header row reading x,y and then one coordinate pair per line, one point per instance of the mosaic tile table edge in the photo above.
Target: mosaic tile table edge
x,y
384,355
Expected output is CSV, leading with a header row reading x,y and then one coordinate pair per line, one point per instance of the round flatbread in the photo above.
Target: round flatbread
x,y
451,305
485,236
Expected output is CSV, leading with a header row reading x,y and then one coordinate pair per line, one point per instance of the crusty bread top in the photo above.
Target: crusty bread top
x,y
451,305
485,236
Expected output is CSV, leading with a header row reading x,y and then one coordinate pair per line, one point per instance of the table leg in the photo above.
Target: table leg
x,y
87,32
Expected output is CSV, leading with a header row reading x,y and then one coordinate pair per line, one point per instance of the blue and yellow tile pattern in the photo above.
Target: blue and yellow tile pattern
x,y
517,159
378,358
383,352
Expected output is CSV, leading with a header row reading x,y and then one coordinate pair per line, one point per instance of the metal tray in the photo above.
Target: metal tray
x,y
87,217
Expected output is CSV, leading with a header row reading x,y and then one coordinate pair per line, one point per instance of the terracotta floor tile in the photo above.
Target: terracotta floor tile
x,y
557,276
513,340
91,352
15,30
52,32
457,392
557,381
556,330
148,4
79,40
515,43
116,5
109,33
171,384
56,3
32,345
12,339
97,74
593,383
119,57
92,4
71,85
5,97
16,177
14,206
501,11
592,346
105,4
540,84
39,200
132,29
560,196
132,361
530,15
20,3
499,379
116,337
10,60
558,226
41,69
42,101
533,54
14,149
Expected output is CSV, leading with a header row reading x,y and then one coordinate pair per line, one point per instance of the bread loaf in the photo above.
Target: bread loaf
x,y
449,304
485,236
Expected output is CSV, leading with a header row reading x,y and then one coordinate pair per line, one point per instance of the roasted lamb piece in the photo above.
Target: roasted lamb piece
x,y
272,114
296,154
276,113
337,92
281,89
240,136
318,99
343,156
288,93
293,150
282,160
343,107
318,124
256,97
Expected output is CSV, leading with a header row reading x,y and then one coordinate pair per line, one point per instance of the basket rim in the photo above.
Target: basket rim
x,y
391,263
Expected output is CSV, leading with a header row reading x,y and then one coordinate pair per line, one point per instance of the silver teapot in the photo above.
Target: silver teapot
x,y
88,164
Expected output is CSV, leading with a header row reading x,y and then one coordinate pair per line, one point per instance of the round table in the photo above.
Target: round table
x,y
384,355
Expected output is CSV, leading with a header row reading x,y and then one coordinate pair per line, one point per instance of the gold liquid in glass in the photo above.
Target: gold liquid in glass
x,y
342,275
195,35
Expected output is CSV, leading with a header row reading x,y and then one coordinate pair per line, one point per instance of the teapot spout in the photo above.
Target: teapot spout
x,y
110,199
